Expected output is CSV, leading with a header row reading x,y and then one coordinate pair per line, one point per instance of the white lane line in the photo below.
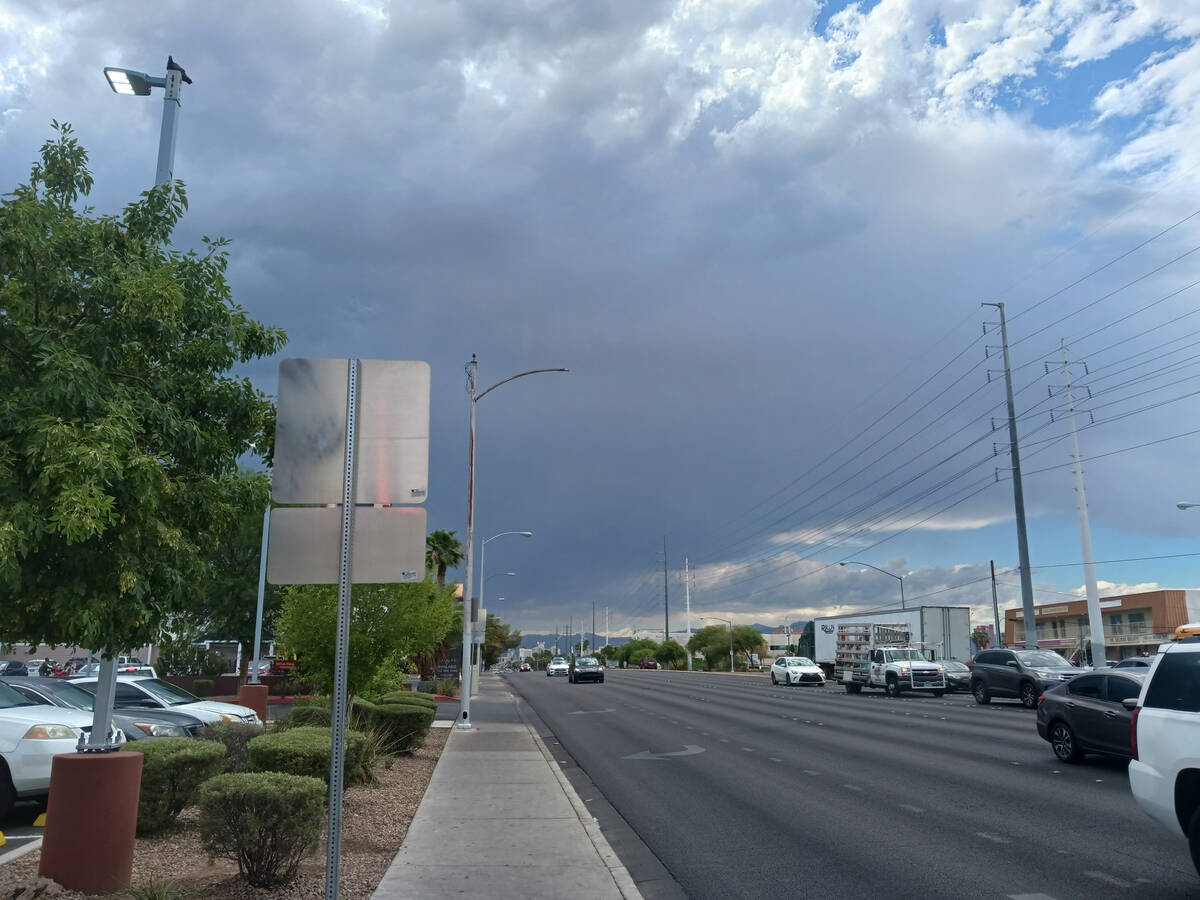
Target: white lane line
x,y
774,759
748,749
811,772
911,808
995,838
852,787
1030,897
1108,879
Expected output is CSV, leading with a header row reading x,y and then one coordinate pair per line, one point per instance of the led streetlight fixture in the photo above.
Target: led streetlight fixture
x,y
127,81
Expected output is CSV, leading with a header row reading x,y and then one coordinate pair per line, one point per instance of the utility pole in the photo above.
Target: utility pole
x,y
570,632
666,613
995,605
687,595
1095,619
1018,490
593,626
606,629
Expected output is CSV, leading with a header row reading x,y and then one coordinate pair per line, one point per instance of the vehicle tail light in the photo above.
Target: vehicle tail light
x,y
1040,699
1133,731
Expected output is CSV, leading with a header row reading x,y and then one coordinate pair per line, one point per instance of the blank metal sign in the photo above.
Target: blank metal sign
x,y
389,545
392,442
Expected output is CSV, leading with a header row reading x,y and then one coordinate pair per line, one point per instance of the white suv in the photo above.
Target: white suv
x,y
1164,774
558,666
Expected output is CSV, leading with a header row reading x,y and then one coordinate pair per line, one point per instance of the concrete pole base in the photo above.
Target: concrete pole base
x,y
83,785
254,696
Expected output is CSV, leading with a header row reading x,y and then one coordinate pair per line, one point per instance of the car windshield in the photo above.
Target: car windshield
x,y
10,698
69,695
1040,658
587,662
557,661
165,691
953,665
799,661
901,655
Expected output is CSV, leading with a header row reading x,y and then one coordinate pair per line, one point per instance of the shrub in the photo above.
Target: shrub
x,y
202,687
405,725
265,821
359,714
306,715
172,770
304,751
447,687
410,697
236,737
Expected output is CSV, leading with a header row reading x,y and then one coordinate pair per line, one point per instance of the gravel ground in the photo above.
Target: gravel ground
x,y
375,819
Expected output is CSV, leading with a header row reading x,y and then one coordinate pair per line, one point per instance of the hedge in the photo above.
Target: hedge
x,y
304,716
236,737
404,725
304,751
264,821
172,770
409,697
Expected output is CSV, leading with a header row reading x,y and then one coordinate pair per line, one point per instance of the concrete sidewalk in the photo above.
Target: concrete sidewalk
x,y
499,819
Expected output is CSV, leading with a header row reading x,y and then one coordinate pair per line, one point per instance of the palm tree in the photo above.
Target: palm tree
x,y
443,551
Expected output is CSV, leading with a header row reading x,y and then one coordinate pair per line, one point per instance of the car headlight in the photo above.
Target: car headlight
x,y
904,668
942,669
225,717
157,729
1049,676
51,733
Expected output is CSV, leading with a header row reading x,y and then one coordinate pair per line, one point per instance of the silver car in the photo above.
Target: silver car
x,y
558,666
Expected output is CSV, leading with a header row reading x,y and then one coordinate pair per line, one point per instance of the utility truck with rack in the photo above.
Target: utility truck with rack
x,y
874,655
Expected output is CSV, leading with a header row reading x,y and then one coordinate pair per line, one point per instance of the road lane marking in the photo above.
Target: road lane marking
x,y
994,838
688,750
1108,879
1030,897
748,749
852,787
911,808
811,772
775,759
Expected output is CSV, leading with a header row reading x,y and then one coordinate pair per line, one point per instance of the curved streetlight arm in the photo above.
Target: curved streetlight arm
x,y
480,396
900,578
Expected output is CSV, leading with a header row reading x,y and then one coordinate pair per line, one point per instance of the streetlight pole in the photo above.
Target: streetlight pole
x,y
899,578
464,718
482,560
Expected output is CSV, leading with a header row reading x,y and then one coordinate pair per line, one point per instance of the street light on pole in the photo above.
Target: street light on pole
x,y
1187,505
730,624
899,578
129,81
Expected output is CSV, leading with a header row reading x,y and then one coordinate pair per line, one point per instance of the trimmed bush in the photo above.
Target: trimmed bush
x,y
360,713
202,687
447,687
236,737
304,751
306,716
410,697
265,821
172,770
404,725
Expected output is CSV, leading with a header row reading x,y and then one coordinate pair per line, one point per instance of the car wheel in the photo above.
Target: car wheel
x,y
774,680
8,794
982,697
939,693
602,679
1029,695
1063,743
892,688
1194,839
852,688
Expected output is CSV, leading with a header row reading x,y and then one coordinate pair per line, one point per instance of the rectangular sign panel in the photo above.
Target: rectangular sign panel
x,y
305,545
392,432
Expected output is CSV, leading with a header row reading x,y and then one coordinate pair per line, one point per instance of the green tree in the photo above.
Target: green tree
x,y
497,638
633,652
389,622
981,639
443,551
120,425
672,655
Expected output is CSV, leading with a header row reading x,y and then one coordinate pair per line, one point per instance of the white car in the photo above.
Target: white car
x,y
154,693
31,735
1164,774
558,666
796,670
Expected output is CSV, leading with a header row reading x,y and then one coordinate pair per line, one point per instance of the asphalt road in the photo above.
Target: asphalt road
x,y
742,789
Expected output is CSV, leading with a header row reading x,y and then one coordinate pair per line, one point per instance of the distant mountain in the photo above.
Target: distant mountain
x,y
529,641
767,629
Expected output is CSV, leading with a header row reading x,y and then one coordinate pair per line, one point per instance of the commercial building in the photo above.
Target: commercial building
x,y
1134,624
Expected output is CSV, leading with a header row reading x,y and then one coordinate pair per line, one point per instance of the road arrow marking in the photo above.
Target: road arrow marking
x,y
588,712
688,750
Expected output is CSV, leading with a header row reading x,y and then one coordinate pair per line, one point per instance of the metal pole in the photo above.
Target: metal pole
x,y
170,128
1095,619
730,648
262,584
996,606
687,594
666,605
464,701
901,577
337,750
1018,490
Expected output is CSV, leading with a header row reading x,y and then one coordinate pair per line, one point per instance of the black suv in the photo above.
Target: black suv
x,y
1024,674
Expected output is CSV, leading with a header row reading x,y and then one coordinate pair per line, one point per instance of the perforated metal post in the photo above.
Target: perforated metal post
x,y
337,752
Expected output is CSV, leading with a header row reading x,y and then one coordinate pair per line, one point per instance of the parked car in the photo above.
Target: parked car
x,y
1134,662
558,666
13,667
585,668
1023,674
31,735
92,670
1086,715
1164,775
958,675
154,693
137,724
649,663
796,670
525,667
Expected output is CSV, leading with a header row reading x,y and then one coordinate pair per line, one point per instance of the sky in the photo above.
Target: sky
x,y
759,235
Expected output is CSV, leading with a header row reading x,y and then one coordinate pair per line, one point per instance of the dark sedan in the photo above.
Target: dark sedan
x,y
1085,715
138,724
586,668
958,676
12,667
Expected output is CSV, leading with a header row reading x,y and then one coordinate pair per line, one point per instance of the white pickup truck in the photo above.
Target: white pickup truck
x,y
877,655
